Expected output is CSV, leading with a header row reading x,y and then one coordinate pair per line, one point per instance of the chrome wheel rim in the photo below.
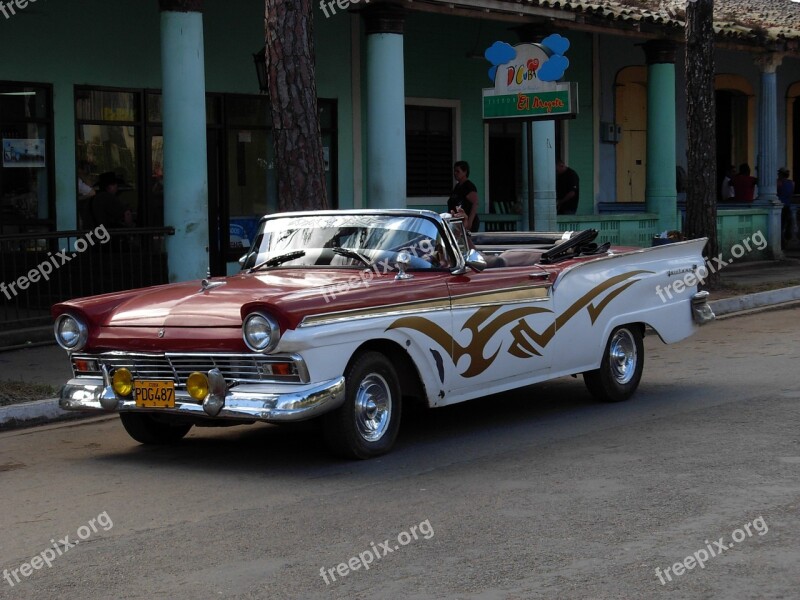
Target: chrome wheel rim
x,y
373,407
622,356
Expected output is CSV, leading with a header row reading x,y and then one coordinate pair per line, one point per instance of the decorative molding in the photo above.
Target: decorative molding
x,y
769,61
659,51
384,18
181,5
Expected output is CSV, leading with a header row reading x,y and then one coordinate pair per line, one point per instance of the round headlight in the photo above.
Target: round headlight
x,y
70,333
122,382
197,386
261,333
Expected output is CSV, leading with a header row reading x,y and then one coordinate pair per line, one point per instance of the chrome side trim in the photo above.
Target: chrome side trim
x,y
417,307
512,295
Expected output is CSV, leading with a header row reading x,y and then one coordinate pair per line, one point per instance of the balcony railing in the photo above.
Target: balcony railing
x,y
39,269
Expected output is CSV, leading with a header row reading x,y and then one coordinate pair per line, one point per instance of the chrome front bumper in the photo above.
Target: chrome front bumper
x,y
273,403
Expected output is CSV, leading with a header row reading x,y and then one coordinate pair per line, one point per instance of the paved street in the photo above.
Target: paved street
x,y
541,494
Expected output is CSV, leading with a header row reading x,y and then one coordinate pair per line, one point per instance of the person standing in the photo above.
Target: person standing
x,y
785,191
464,196
106,208
744,184
567,189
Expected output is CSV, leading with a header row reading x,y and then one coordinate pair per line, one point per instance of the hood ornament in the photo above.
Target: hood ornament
x,y
210,285
161,332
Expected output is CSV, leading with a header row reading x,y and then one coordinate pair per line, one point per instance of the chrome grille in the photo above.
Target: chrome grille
x,y
244,368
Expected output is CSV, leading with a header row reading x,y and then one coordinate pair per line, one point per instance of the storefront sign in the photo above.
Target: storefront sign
x,y
525,81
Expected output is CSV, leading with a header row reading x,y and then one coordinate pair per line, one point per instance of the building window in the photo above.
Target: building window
x,y
429,150
108,136
26,125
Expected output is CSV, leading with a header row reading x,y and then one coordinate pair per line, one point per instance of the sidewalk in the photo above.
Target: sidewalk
x,y
742,292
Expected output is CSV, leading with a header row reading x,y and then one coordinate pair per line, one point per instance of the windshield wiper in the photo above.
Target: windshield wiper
x,y
277,260
352,254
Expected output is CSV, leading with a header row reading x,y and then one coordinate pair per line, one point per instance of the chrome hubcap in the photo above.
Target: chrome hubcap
x,y
373,407
622,356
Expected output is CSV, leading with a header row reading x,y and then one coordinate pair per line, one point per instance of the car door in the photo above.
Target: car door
x,y
502,321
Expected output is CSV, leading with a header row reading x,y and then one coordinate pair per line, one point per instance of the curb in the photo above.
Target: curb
x,y
748,302
35,413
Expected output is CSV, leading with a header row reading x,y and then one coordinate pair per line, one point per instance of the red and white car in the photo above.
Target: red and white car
x,y
346,315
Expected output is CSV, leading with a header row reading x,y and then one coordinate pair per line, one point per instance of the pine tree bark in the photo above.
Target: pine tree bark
x,y
293,103
701,191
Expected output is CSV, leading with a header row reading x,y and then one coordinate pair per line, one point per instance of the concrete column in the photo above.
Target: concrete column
x,y
660,190
544,180
768,147
185,166
768,129
386,110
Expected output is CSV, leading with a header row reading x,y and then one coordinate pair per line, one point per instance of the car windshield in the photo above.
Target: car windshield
x,y
348,240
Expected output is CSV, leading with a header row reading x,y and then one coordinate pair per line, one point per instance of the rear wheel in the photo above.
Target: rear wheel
x,y
366,425
146,429
621,368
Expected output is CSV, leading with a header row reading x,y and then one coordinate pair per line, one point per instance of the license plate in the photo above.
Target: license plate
x,y
154,394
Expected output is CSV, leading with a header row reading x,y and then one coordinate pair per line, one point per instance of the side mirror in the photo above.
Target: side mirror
x,y
474,261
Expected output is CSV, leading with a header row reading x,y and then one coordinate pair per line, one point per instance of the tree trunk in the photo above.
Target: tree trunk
x,y
701,191
293,103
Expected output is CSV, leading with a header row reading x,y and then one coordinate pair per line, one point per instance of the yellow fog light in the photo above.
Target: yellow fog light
x,y
122,382
197,386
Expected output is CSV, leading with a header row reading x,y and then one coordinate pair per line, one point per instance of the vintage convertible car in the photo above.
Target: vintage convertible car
x,y
346,315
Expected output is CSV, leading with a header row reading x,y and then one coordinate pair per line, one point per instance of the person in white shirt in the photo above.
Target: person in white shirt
x,y
84,189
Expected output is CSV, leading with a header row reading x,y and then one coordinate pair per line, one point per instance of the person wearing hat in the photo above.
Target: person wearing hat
x,y
105,208
785,190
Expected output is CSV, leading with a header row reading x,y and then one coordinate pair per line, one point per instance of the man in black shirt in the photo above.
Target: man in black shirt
x,y
567,189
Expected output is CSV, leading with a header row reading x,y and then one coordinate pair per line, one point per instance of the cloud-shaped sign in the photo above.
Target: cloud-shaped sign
x,y
557,43
553,69
499,53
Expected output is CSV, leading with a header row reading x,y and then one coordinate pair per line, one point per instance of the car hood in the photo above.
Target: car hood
x,y
218,304
288,293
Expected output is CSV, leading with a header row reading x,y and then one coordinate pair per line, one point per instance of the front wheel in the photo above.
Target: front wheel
x,y
366,425
145,429
621,368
